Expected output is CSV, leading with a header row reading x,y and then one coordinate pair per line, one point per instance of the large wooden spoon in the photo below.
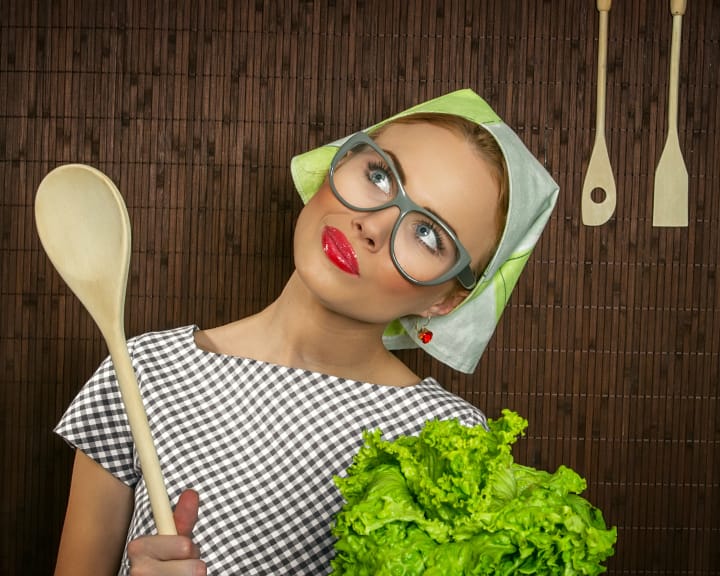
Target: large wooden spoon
x,y
84,227
670,198
599,173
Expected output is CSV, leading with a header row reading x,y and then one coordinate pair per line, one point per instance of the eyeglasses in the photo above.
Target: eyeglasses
x,y
423,248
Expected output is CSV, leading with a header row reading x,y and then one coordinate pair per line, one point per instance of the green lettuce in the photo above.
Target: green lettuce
x,y
451,501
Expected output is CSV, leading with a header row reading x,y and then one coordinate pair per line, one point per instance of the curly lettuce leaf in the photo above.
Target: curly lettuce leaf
x,y
452,501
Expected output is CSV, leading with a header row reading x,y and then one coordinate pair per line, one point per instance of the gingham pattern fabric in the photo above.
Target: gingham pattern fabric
x,y
259,442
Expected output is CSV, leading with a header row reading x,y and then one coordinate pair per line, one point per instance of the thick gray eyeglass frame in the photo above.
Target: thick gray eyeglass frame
x,y
461,270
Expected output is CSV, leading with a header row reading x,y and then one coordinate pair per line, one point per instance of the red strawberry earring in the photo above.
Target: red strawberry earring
x,y
423,333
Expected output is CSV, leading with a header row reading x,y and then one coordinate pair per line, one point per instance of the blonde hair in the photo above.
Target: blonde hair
x,y
485,145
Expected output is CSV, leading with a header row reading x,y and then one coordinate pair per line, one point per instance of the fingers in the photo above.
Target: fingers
x,y
170,555
172,568
165,556
186,512
163,548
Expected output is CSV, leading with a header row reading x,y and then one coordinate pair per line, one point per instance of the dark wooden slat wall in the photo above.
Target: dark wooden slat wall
x,y
611,343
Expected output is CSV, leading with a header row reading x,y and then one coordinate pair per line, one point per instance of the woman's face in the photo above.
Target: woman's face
x,y
343,256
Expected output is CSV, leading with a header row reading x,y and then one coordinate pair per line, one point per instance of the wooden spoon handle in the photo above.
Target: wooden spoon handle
x,y
677,7
135,410
601,87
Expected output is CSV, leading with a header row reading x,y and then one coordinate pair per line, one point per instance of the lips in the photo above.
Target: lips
x,y
339,250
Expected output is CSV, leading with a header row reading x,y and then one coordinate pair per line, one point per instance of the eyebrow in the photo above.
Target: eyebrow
x,y
401,173
397,164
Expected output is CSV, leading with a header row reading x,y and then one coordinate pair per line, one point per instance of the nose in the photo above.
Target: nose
x,y
375,228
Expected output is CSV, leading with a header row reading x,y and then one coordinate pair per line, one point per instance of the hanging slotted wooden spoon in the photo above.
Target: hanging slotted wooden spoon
x,y
84,227
599,173
670,200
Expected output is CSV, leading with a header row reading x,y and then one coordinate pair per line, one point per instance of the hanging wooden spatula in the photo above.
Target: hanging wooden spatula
x,y
85,229
670,201
599,173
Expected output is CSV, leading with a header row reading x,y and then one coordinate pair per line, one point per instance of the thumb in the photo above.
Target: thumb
x,y
186,512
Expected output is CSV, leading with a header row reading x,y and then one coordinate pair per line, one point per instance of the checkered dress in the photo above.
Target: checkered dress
x,y
259,442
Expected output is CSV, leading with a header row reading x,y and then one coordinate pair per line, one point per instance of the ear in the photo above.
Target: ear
x,y
448,303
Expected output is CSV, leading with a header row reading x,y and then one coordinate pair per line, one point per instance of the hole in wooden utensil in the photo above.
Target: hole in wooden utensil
x,y
598,195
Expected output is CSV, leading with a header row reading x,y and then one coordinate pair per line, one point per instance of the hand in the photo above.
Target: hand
x,y
170,555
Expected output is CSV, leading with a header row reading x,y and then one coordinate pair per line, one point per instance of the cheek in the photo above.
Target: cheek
x,y
323,198
405,298
312,213
394,284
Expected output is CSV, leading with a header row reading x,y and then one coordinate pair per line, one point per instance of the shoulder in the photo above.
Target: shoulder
x,y
404,410
179,335
163,344
444,404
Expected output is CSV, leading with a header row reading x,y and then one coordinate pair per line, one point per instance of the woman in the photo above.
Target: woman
x,y
413,235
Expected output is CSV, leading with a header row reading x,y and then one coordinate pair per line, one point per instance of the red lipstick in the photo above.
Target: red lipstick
x,y
339,250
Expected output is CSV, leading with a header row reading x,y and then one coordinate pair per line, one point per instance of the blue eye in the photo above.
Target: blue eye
x,y
428,236
381,177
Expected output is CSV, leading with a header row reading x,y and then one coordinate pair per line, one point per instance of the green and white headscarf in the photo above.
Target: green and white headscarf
x,y
460,337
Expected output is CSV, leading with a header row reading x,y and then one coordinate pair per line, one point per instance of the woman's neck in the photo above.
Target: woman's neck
x,y
297,330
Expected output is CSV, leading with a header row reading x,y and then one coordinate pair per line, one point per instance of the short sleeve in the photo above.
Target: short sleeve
x,y
473,418
96,423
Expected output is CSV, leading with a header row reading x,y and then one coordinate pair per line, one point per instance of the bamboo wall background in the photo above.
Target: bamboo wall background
x,y
610,345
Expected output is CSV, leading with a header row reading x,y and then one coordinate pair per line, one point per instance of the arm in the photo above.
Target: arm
x,y
96,521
